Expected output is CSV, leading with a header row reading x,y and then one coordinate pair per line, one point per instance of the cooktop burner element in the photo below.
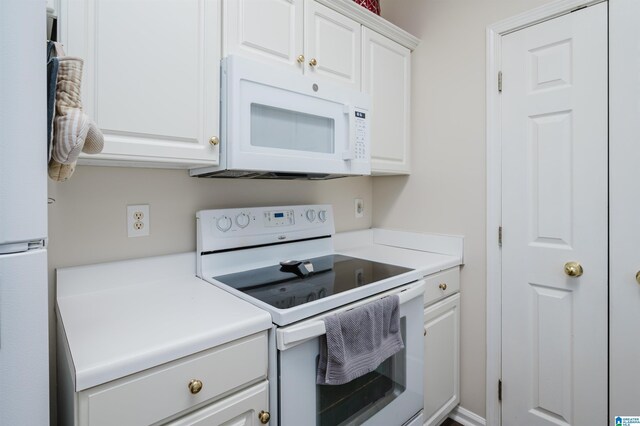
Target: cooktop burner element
x,y
284,286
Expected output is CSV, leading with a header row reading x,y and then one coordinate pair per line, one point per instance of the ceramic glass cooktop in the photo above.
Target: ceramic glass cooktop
x,y
291,285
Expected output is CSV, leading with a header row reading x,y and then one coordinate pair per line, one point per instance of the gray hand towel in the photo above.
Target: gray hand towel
x,y
358,340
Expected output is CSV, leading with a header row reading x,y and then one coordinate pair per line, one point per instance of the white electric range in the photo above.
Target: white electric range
x,y
282,260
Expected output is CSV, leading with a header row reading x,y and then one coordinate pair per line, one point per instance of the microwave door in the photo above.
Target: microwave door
x,y
288,131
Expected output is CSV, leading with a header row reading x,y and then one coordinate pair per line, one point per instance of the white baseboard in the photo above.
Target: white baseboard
x,y
466,417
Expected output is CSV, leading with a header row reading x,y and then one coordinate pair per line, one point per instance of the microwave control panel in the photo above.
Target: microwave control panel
x,y
361,135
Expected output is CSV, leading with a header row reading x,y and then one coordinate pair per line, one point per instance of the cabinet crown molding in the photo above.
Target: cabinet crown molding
x,y
373,21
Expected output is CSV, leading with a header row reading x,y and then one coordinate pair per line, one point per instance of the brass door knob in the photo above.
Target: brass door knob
x,y
442,286
214,140
313,62
638,277
573,269
300,59
264,417
195,386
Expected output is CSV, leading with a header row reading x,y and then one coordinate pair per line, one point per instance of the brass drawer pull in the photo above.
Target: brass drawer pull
x,y
442,286
195,386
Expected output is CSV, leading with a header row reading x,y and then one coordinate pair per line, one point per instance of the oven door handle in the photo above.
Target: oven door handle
x,y
289,337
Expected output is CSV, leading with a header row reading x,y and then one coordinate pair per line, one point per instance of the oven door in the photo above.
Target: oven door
x,y
280,121
390,395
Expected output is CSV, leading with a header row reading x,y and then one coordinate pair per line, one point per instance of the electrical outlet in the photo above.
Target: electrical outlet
x,y
138,220
359,207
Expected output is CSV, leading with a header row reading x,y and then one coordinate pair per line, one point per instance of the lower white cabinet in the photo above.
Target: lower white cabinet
x,y
245,408
224,384
441,352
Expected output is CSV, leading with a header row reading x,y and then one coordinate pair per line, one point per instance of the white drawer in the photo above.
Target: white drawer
x,y
155,394
440,285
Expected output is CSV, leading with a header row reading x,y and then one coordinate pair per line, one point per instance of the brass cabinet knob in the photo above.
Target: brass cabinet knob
x,y
313,62
442,286
638,277
573,269
214,140
264,417
195,386
425,332
300,59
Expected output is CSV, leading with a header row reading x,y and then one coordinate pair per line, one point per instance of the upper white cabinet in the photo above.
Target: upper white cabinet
x,y
265,29
152,70
151,77
332,45
301,35
386,77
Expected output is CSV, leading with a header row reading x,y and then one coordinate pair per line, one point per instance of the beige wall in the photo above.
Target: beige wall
x,y
446,192
87,222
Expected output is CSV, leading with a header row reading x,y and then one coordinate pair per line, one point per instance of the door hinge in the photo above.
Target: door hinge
x,y
499,81
500,236
499,390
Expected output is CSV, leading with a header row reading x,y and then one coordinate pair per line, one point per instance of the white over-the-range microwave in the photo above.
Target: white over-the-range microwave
x,y
284,125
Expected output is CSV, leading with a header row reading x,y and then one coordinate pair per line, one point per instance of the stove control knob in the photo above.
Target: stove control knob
x,y
322,215
242,220
311,215
224,223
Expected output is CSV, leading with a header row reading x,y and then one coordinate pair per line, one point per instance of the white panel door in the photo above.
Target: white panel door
x,y
554,201
386,77
624,287
151,76
264,29
441,359
332,45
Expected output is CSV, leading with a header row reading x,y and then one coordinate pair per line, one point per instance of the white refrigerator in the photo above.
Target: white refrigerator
x,y
24,346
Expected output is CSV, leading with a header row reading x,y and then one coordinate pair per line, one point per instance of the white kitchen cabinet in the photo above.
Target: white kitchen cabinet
x,y
300,35
269,30
441,346
151,78
229,381
387,78
332,45
244,408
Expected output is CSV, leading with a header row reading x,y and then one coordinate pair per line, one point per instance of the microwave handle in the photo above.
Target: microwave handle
x,y
294,335
349,154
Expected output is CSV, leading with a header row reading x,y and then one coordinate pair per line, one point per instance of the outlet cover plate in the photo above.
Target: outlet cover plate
x,y
138,220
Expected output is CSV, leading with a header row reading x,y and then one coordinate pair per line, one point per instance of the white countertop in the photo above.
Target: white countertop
x,y
425,253
123,317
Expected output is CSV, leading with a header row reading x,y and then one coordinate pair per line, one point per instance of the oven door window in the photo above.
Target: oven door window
x,y
362,398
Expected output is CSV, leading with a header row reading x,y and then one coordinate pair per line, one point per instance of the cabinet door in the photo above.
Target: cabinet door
x,y
441,359
239,409
387,78
264,29
333,42
151,76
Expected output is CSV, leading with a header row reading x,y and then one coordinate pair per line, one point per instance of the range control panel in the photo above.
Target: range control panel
x,y
244,227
